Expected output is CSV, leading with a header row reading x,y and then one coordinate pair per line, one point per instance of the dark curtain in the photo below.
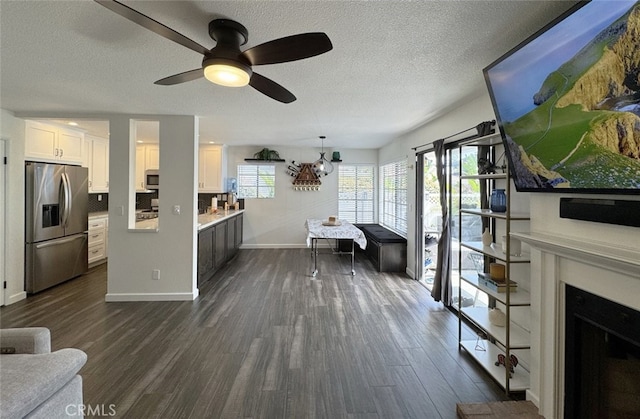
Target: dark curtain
x,y
442,289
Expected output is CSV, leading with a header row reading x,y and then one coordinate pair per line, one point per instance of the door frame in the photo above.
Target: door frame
x,y
3,220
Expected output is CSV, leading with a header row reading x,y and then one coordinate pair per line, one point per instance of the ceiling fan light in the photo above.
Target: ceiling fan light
x,y
226,75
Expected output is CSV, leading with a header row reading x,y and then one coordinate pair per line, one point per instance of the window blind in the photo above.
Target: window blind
x,y
393,196
256,181
356,193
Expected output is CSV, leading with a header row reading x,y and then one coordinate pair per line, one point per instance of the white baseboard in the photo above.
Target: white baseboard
x,y
410,272
15,298
130,297
533,398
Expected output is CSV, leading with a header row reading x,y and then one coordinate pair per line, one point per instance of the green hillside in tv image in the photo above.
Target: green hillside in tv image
x,y
585,129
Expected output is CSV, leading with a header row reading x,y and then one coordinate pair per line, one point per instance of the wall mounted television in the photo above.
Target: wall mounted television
x,y
567,102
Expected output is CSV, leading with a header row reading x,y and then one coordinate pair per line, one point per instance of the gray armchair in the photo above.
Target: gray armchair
x,y
38,383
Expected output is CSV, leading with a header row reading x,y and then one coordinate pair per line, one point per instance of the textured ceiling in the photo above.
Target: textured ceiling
x,y
395,64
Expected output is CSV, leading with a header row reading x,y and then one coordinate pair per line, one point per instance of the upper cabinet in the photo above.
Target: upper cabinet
x,y
97,160
212,168
50,143
147,158
152,156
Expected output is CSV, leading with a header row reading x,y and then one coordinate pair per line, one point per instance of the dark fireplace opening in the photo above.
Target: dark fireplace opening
x,y
602,358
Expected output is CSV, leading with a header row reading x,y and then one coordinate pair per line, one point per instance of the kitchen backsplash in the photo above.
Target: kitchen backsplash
x,y
204,201
143,201
94,205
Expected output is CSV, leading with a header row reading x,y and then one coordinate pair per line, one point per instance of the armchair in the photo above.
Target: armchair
x,y
36,382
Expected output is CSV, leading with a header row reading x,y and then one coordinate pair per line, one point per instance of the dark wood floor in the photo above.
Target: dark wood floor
x,y
266,341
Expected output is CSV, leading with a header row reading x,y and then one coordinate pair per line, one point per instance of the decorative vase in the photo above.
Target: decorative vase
x,y
487,238
497,317
498,201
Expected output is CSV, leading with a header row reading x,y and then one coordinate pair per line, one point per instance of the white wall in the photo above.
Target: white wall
x,y
12,130
545,219
133,254
466,116
279,222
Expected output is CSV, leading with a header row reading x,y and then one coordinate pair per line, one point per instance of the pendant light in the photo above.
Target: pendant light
x,y
322,166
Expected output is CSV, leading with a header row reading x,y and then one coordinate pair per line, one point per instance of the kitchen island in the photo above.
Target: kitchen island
x,y
219,238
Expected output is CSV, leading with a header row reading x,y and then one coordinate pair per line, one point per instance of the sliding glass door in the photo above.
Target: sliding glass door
x,y
429,218
466,194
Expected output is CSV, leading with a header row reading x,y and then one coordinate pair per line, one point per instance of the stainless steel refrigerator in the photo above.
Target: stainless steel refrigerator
x,y
56,224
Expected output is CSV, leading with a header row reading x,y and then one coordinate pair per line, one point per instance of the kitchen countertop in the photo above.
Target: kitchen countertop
x,y
98,214
204,220
207,220
149,224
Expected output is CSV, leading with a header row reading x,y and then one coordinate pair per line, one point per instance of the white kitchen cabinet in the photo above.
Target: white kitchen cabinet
x,y
49,143
152,157
98,231
212,168
97,161
140,168
147,158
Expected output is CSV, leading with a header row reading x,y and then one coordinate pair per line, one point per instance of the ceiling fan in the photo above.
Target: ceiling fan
x,y
225,64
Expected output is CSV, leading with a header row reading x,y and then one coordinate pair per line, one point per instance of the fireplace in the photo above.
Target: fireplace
x,y
607,278
602,357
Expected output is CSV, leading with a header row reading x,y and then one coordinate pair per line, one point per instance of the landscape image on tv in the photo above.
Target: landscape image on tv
x,y
568,102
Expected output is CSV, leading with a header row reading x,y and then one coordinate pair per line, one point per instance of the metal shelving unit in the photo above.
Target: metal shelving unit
x,y
512,339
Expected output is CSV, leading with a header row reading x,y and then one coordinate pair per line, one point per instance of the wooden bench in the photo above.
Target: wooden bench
x,y
386,249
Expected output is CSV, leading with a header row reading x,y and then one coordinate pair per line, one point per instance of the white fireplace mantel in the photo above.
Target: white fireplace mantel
x,y
604,269
624,261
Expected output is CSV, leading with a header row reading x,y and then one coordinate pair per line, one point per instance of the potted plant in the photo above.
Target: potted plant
x,y
266,154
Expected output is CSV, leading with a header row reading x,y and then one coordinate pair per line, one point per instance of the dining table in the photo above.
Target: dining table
x,y
338,231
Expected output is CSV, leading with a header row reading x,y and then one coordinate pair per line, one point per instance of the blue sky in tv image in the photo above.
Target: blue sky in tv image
x,y
526,69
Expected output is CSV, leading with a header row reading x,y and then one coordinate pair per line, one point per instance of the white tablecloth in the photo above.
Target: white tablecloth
x,y
345,230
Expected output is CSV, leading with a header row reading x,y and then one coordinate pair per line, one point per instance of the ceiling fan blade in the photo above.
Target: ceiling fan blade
x,y
271,88
290,48
152,25
181,77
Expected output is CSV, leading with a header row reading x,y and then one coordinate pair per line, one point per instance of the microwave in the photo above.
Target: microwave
x,y
152,179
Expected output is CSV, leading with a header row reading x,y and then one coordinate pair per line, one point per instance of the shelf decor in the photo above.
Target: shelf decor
x,y
306,178
498,202
266,155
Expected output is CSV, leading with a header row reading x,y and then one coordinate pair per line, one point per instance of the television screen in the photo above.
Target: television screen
x,y
567,102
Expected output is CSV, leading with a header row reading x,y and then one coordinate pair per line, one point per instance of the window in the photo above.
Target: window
x,y
393,196
256,181
355,193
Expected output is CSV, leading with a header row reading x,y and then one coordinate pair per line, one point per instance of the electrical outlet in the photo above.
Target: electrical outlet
x,y
155,274
99,197
176,210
